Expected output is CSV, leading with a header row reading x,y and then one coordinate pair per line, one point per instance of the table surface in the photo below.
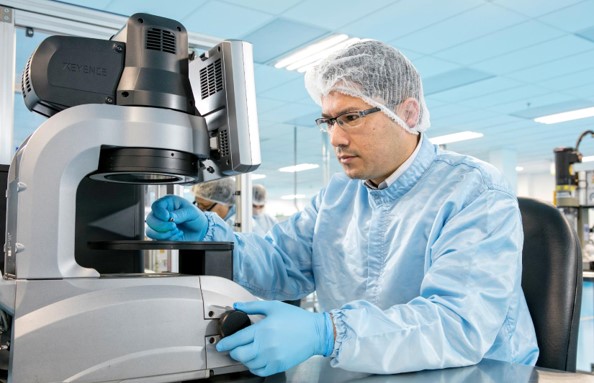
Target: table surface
x,y
318,370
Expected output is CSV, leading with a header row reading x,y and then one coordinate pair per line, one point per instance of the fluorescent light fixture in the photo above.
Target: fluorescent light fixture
x,y
298,168
519,168
455,137
309,55
256,176
293,196
566,116
588,159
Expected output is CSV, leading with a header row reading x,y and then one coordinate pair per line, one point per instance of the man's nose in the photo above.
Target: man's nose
x,y
338,137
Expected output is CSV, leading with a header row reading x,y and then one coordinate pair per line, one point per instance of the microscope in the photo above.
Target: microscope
x,y
574,194
136,110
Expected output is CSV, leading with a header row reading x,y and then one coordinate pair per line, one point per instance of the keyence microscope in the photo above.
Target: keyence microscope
x,y
135,110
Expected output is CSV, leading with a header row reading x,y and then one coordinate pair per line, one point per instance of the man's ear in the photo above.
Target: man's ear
x,y
409,110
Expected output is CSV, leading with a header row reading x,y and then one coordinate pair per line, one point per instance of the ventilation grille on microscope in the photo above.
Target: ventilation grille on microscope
x,y
26,79
211,79
224,143
160,40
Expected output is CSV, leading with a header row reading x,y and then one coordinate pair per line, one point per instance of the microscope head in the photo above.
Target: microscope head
x,y
148,64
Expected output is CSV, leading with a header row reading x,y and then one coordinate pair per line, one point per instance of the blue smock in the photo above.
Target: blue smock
x,y
263,223
230,217
423,274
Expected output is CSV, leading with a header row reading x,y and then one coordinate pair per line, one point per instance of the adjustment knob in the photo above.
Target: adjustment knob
x,y
232,321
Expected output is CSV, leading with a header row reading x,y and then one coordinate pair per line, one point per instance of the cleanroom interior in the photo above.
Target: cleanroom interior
x,y
491,69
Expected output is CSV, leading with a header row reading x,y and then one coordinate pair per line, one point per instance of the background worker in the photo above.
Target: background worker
x,y
218,197
263,220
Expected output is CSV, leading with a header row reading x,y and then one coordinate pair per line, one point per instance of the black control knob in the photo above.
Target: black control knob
x,y
232,321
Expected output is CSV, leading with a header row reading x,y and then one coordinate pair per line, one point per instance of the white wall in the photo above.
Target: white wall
x,y
540,186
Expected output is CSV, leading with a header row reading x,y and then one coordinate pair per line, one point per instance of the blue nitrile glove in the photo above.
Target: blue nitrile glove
x,y
174,218
287,336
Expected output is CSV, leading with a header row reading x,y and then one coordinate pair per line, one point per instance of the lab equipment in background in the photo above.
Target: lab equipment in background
x,y
133,111
574,193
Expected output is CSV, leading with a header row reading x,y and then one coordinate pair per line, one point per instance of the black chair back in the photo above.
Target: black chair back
x,y
552,282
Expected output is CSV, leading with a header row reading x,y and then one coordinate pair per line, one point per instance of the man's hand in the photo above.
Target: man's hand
x,y
287,336
173,218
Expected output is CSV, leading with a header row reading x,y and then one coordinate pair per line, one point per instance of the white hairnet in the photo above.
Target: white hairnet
x,y
259,194
220,191
376,73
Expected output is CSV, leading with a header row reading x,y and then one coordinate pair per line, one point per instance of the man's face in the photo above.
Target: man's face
x,y
257,209
374,149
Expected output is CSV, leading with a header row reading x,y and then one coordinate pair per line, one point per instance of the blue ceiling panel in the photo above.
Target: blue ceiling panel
x,y
503,41
463,27
26,47
268,77
94,4
274,7
534,8
585,92
444,112
266,104
306,120
573,18
281,36
531,113
290,91
453,79
469,118
550,100
155,7
224,20
522,93
555,68
477,89
587,34
406,16
433,103
535,55
289,111
571,80
279,136
273,131
431,66
327,15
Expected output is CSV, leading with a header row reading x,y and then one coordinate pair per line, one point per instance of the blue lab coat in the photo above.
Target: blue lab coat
x,y
423,274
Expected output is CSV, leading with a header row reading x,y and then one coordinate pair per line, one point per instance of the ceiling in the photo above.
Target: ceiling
x,y
488,66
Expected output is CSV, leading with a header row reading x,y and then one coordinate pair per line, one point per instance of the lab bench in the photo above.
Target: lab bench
x,y
318,370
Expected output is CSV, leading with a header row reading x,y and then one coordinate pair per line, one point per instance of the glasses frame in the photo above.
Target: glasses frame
x,y
331,121
209,208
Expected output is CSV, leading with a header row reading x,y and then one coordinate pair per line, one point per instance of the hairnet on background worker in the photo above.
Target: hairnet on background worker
x,y
217,196
263,221
258,195
414,252
220,191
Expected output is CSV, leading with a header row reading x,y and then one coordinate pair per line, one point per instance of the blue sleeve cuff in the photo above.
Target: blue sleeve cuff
x,y
329,339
